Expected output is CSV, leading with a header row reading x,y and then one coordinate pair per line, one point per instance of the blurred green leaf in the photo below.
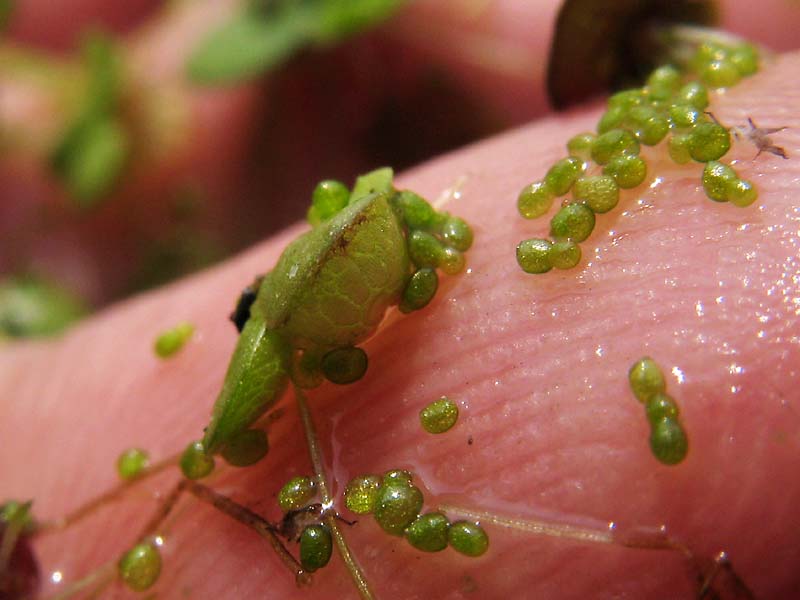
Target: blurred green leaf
x,y
31,306
6,8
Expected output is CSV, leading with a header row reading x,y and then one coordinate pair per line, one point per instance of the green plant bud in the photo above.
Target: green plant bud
x,y
417,212
344,365
424,249
131,463
678,148
297,493
428,532
439,416
599,192
717,180
468,538
663,82
650,126
613,118
419,291
720,74
140,567
745,58
646,379
535,200
627,99
741,192
708,52
329,197
533,255
457,234
709,141
451,261
396,507
316,547
685,116
573,222
169,342
565,254
580,146
398,477
195,463
627,170
660,406
563,174
361,493
694,94
613,142
668,441
246,448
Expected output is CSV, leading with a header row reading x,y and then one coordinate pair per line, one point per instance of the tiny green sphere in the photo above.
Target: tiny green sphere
x,y
627,170
745,58
398,477
668,441
613,118
417,212
468,538
361,493
613,142
424,249
396,507
742,192
140,567
627,99
562,175
663,82
650,126
709,141
573,222
329,197
131,463
660,406
599,192
646,379
316,547
451,262
580,145
428,532
678,148
297,493
195,463
419,291
694,94
439,416
246,448
708,52
169,342
457,234
717,180
535,200
565,254
684,116
533,255
720,74
344,365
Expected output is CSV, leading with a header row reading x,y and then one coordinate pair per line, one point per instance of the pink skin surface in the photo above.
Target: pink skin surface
x,y
537,365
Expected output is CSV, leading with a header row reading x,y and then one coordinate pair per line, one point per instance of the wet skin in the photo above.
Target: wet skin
x,y
538,364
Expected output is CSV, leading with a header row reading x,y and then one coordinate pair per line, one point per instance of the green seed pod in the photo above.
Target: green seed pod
x,y
457,234
424,249
717,180
613,142
140,567
131,463
694,94
468,538
535,200
246,448
720,74
439,416
613,118
563,174
627,170
565,254
533,255
599,192
398,477
650,126
344,365
297,493
684,116
417,212
452,261
420,290
361,493
396,507
573,222
329,197
428,532
195,463
741,192
580,146
316,547
745,58
709,141
172,340
663,82
660,406
668,441
646,379
678,148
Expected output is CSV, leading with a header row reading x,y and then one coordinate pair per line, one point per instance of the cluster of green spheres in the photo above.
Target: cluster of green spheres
x,y
668,440
671,108
316,540
436,239
396,504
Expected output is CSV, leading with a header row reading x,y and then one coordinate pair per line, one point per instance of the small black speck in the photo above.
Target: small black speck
x,y
469,441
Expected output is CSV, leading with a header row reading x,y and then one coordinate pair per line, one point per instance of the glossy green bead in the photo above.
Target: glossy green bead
x,y
361,493
627,99
580,145
708,52
717,180
468,538
709,141
246,448
419,291
599,192
646,379
195,463
562,175
535,200
684,116
328,198
297,493
169,342
140,567
742,192
457,234
398,477
417,212
428,532
663,82
565,254
316,547
344,365
451,262
573,222
650,126
613,118
720,74
660,406
745,57
627,170
131,463
439,416
396,507
668,441
694,94
613,142
533,255
424,249
678,148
